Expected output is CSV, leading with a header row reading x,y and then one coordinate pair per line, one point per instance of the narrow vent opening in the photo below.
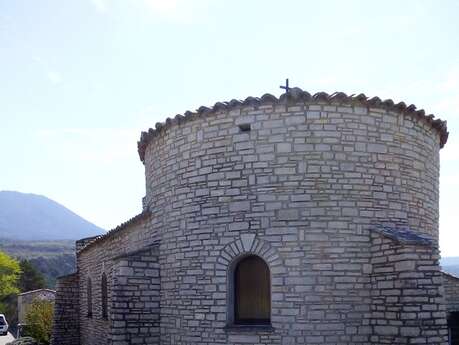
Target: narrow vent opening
x,y
244,127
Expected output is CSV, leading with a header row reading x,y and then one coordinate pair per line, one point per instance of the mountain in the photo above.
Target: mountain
x,y
35,217
42,231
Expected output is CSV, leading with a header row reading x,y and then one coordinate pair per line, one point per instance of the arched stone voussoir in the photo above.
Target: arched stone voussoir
x,y
247,244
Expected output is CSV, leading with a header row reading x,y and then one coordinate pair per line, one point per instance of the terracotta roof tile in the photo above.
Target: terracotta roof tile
x,y
297,95
119,228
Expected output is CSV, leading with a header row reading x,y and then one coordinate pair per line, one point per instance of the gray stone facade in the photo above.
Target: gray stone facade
x,y
451,286
337,194
407,301
66,327
135,298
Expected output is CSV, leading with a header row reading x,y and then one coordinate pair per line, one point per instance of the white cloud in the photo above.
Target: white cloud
x,y
451,81
166,7
183,11
54,77
101,5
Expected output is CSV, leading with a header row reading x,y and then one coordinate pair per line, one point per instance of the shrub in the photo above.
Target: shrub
x,y
39,320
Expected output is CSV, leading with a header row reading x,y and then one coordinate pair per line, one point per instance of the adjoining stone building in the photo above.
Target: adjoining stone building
x,y
451,286
293,220
25,299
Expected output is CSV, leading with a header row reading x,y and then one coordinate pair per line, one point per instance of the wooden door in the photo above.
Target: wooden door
x,y
252,291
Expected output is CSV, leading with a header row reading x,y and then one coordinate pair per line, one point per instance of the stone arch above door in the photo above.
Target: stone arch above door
x,y
246,245
249,244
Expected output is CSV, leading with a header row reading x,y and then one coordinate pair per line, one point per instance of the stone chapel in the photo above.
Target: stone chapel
x,y
303,219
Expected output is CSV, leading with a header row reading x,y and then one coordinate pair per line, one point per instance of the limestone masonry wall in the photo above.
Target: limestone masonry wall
x,y
97,259
308,181
135,298
407,301
451,286
66,330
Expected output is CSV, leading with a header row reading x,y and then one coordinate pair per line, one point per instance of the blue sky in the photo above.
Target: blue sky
x,y
82,79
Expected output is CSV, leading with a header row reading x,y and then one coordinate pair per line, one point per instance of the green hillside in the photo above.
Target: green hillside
x,y
51,258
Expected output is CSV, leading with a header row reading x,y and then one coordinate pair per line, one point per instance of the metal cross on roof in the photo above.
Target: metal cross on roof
x,y
286,87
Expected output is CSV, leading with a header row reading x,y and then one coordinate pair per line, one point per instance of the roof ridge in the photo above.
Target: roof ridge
x,y
449,273
296,95
141,216
36,290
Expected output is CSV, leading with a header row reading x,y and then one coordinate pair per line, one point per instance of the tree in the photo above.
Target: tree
x,y
9,274
39,320
30,278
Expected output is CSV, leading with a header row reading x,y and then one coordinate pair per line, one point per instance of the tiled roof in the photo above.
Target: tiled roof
x,y
403,235
119,228
297,95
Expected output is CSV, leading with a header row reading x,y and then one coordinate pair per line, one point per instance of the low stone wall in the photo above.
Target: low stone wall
x,y
407,305
135,298
66,330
